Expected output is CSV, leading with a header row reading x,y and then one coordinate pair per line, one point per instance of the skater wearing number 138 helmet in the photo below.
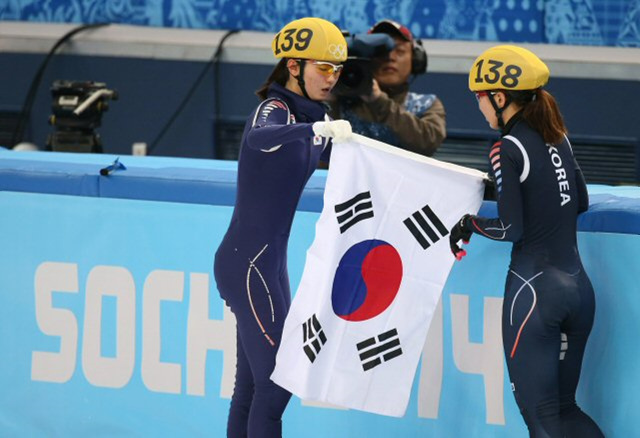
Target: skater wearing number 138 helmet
x,y
549,303
282,143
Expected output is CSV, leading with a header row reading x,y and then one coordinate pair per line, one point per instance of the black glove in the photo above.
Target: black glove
x,y
460,231
490,193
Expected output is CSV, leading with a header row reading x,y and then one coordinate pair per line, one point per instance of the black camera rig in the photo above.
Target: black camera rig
x,y
363,50
77,111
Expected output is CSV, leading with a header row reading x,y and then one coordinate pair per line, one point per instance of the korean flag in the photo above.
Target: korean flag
x,y
373,276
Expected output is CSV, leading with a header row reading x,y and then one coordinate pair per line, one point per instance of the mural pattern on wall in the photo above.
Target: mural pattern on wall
x,y
580,22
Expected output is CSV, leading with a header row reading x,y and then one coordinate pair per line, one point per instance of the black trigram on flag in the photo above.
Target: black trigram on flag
x,y
425,230
354,210
313,338
374,351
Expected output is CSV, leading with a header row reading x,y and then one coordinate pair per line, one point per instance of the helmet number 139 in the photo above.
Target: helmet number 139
x,y
300,38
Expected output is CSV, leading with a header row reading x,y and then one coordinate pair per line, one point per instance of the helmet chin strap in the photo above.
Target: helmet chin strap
x,y
300,78
499,110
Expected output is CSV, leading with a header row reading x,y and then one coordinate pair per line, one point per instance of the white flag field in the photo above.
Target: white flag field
x,y
373,276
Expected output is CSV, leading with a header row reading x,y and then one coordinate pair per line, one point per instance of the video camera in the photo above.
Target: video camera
x,y
77,111
357,75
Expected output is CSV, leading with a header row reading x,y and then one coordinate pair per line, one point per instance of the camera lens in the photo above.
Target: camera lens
x,y
352,75
356,78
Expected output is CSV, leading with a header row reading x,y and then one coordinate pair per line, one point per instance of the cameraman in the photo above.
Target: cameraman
x,y
391,113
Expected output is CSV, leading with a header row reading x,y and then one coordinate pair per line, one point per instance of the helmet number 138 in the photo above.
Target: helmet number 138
x,y
508,77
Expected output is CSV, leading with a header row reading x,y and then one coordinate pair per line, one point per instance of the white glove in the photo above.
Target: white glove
x,y
339,130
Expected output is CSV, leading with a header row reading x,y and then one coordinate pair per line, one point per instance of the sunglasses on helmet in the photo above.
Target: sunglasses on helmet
x,y
480,94
328,68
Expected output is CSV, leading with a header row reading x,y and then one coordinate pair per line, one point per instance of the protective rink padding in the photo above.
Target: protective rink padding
x,y
197,181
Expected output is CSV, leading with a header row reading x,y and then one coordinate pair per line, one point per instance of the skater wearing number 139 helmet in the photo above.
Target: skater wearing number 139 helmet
x,y
282,143
549,302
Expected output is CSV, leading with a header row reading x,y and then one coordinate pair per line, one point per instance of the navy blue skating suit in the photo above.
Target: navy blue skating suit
x,y
278,155
549,304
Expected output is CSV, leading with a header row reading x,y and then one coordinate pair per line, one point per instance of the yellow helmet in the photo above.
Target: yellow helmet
x,y
310,38
507,67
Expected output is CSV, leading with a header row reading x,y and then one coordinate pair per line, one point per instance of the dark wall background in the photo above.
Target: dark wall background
x,y
596,110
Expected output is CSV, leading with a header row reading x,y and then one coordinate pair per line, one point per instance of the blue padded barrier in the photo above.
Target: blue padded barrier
x,y
110,317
